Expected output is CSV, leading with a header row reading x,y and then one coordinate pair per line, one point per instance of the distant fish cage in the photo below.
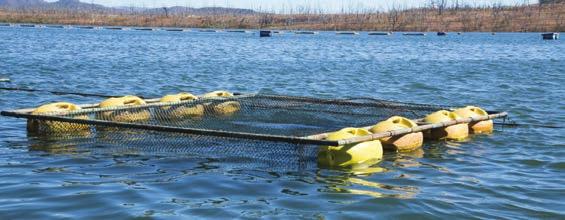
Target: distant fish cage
x,y
174,29
28,25
306,32
414,34
265,33
550,36
209,30
347,33
115,28
144,29
380,33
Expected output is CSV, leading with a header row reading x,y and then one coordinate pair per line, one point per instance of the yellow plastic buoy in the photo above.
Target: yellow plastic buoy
x,y
351,155
225,108
407,142
124,115
476,127
183,110
453,132
219,93
40,126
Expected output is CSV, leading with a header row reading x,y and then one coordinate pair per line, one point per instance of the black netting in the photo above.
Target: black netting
x,y
257,114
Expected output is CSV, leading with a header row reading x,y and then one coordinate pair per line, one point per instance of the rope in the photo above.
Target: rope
x,y
514,124
60,92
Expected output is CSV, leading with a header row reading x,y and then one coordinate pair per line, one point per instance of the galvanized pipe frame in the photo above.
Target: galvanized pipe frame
x,y
161,128
93,108
420,128
317,139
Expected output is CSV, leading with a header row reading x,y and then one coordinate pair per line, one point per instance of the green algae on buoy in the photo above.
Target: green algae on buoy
x,y
45,126
182,111
124,115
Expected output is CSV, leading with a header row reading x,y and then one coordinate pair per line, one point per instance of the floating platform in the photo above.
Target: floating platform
x,y
28,25
347,33
550,36
414,34
380,33
306,32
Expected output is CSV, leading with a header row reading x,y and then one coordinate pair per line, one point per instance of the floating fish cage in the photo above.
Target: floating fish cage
x,y
550,36
306,32
28,25
144,29
414,34
338,132
265,33
175,29
379,33
115,28
347,33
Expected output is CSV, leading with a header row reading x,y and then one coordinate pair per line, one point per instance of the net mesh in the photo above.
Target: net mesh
x,y
269,115
255,114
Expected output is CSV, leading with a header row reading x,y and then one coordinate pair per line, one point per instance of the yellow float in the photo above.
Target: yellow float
x,y
124,115
225,108
351,155
453,132
219,93
41,126
182,111
407,142
478,127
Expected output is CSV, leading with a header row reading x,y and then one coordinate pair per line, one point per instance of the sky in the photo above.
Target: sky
x,y
285,5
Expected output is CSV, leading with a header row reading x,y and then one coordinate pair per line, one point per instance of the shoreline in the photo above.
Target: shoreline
x,y
201,29
525,18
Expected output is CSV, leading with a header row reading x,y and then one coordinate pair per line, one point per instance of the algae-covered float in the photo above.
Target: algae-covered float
x,y
345,133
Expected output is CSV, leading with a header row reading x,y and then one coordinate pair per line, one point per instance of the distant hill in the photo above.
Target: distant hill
x,y
21,3
77,5
61,4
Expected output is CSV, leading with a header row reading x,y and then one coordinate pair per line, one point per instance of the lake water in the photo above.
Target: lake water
x,y
516,173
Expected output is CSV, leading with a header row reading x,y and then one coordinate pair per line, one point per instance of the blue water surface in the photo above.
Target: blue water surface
x,y
515,173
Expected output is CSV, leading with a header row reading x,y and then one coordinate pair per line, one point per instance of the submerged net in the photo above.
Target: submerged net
x,y
267,128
